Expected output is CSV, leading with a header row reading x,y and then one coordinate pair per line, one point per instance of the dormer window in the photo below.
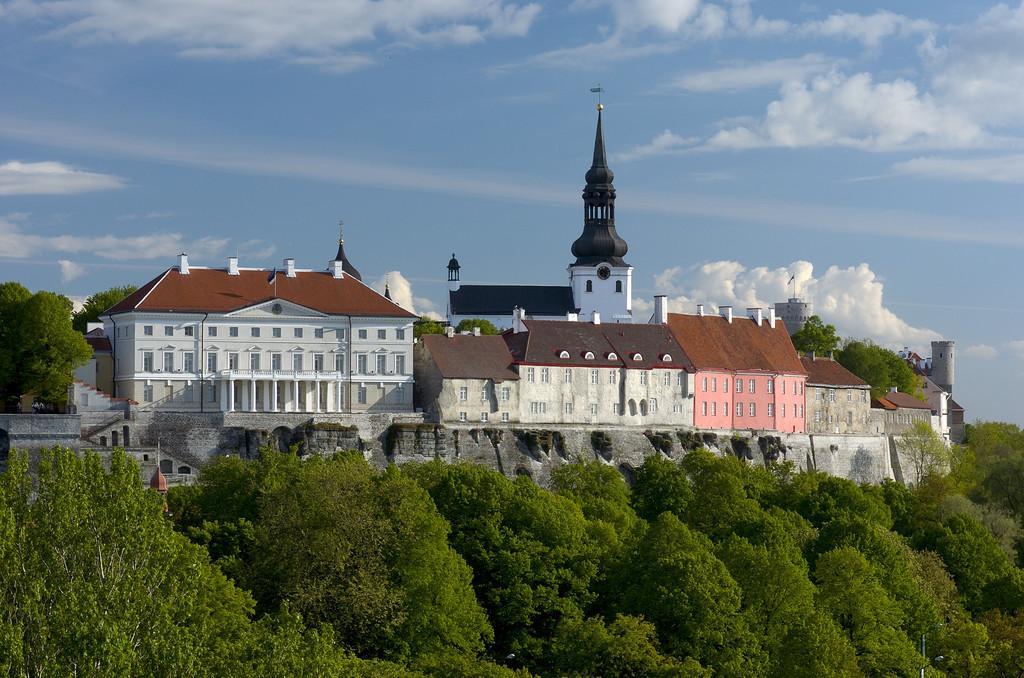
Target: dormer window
x,y
666,358
637,357
589,355
564,355
613,356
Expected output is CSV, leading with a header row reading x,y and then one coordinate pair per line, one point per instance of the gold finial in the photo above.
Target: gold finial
x,y
600,107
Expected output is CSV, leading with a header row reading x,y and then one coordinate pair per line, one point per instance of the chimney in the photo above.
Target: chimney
x,y
476,331
725,312
289,267
183,263
518,318
572,316
597,318
335,268
700,310
756,315
771,317
232,265
449,331
660,309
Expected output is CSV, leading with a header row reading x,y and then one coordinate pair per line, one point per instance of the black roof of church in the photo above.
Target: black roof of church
x,y
553,300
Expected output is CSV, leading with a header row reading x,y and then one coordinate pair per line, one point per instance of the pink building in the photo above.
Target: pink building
x,y
747,373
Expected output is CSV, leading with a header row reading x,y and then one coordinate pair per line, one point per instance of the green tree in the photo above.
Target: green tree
x,y
486,326
427,327
96,304
924,448
13,295
816,336
880,367
660,485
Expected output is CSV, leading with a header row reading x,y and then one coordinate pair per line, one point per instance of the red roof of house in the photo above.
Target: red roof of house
x,y
897,399
712,342
213,290
827,372
613,345
470,357
98,341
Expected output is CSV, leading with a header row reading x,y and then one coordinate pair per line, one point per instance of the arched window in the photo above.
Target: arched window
x,y
589,355
564,355
637,357
185,470
618,286
632,408
166,466
643,408
666,358
613,356
590,286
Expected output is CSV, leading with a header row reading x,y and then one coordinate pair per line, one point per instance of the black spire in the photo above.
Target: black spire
x,y
453,268
346,265
599,242
387,292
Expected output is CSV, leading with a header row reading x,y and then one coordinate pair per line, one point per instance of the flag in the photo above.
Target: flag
x,y
597,89
792,278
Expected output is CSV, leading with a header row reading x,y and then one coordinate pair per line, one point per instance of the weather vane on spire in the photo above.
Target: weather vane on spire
x,y
598,91
341,231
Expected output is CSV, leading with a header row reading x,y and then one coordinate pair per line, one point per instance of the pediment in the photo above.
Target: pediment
x,y
276,308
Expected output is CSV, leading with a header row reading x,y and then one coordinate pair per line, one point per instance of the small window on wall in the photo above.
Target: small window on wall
x,y
590,286
618,286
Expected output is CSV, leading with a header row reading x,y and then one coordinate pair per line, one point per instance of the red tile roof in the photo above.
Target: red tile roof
x,y
544,341
213,290
895,399
470,357
827,372
98,341
712,342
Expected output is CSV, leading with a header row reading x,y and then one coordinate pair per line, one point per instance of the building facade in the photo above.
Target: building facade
x,y
838,401
258,340
896,413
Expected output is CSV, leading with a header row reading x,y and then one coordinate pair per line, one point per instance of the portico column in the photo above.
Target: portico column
x,y
222,386
252,395
267,384
317,394
273,395
231,395
339,397
295,398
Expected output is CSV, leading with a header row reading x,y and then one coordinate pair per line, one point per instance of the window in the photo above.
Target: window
x,y
739,385
739,409
714,409
704,385
589,355
190,331
275,332
189,393
463,417
339,362
318,362
753,409
771,410
297,333
677,409
232,331
750,385
147,330
863,396
463,394
297,362
783,387
400,364
666,379
849,396
612,376
318,333
531,375
618,286
616,409
545,375
275,361
382,334
643,378
538,407
254,331
564,355
771,385
361,394
817,394
568,376
168,330
147,361
168,362
211,392
483,416
506,393
801,411
483,393
593,410
652,405
147,393
613,356
211,331
817,416
704,408
679,379
188,361
714,384
594,376
362,334
504,416
232,361
568,408
831,395
400,334
590,286
361,363
849,418
782,410
211,362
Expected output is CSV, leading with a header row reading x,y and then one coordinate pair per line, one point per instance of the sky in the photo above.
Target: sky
x,y
873,150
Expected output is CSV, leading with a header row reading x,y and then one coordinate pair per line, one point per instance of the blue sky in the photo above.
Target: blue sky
x,y
874,150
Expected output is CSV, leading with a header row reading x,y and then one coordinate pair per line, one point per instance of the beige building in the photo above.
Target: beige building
x,y
838,401
897,412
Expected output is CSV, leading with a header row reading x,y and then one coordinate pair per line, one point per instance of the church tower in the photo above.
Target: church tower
x,y
601,281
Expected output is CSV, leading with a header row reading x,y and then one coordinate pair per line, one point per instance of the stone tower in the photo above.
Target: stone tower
x,y
944,365
794,313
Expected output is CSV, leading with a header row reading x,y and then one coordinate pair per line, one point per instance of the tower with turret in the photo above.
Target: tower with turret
x,y
943,371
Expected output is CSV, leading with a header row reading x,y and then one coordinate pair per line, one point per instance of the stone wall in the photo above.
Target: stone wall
x,y
35,431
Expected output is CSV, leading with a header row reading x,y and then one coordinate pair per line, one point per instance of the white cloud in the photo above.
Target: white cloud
x,y
51,178
69,270
638,15
1004,169
312,32
981,351
854,111
401,293
664,143
869,29
747,75
20,243
1016,347
850,297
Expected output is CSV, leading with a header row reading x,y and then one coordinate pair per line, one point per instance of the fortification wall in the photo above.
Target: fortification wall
x,y
35,431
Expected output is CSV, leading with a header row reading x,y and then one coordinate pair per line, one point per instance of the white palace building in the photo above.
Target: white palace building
x,y
261,340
